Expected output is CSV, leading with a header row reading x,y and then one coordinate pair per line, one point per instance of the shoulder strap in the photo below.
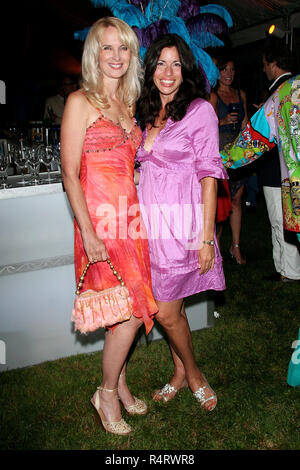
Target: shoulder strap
x,y
240,96
219,98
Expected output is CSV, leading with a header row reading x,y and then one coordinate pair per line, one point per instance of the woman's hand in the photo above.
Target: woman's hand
x,y
258,106
206,253
230,118
94,247
206,256
136,177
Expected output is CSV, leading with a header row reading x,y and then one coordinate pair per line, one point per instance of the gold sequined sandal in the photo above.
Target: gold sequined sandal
x,y
139,407
115,427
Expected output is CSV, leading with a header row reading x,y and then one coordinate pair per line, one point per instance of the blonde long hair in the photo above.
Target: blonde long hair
x,y
130,83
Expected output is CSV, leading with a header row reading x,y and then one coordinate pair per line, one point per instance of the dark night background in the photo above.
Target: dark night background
x,y
38,47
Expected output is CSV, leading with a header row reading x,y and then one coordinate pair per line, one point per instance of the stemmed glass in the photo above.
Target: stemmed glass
x,y
56,149
19,154
234,108
46,155
4,164
34,164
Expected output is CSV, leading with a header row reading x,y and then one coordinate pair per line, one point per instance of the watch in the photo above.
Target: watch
x,y
209,242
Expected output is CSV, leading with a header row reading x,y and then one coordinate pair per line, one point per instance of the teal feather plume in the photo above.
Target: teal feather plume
x,y
218,10
206,62
161,9
177,26
108,3
207,39
82,34
125,11
130,14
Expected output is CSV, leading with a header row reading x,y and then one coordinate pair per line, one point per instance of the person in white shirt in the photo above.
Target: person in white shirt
x,y
54,105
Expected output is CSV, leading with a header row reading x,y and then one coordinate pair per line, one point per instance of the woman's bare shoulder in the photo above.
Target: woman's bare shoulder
x,y
243,94
213,99
78,105
78,98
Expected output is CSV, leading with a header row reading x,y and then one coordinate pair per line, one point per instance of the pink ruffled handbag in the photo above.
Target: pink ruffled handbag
x,y
93,310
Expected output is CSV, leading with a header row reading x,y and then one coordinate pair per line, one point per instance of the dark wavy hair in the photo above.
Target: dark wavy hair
x,y
192,86
275,50
221,59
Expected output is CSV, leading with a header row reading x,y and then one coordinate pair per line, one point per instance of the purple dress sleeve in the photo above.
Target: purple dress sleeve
x,y
204,134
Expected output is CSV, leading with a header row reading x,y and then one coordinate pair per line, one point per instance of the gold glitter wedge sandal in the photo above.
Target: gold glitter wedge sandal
x,y
115,427
139,407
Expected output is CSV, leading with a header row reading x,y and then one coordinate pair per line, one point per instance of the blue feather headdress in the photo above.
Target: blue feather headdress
x,y
197,25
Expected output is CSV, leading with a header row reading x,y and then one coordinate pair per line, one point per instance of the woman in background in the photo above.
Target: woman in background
x,y
231,107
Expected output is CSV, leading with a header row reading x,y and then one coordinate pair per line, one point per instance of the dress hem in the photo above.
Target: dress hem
x,y
148,322
192,293
182,269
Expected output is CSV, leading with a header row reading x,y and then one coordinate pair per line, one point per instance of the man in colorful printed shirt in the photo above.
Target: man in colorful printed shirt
x,y
278,62
277,122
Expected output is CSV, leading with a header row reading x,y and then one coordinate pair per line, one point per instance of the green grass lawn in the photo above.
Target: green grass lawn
x,y
245,357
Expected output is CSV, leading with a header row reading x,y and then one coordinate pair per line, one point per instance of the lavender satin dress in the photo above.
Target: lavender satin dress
x,y
170,196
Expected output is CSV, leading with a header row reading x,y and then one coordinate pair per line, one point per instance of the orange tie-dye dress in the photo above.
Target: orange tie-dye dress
x,y
106,176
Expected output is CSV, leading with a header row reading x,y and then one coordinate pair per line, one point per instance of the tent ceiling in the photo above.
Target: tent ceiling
x,y
247,13
244,13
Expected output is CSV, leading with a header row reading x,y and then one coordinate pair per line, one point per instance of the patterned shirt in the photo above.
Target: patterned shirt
x,y
275,123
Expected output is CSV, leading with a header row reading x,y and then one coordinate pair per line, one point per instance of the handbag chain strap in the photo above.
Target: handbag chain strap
x,y
81,279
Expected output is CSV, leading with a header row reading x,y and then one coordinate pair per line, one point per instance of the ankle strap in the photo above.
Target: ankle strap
x,y
235,245
102,389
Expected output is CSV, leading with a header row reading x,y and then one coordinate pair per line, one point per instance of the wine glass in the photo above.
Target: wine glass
x,y
4,164
19,156
46,156
34,164
57,160
235,108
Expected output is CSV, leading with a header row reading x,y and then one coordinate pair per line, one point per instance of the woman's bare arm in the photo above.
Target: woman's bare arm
x,y
209,201
73,129
244,100
213,99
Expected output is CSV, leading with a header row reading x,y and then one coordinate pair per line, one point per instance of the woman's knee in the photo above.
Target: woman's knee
x,y
169,313
237,198
236,202
167,320
135,322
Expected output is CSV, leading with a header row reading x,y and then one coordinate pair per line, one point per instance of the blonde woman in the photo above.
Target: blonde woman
x,y
99,138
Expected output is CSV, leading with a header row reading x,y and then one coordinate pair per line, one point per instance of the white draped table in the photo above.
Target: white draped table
x,y
37,283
